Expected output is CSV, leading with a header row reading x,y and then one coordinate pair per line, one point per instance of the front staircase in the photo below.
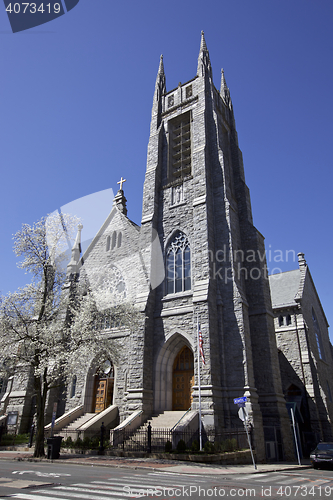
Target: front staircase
x,y
76,423
73,428
162,426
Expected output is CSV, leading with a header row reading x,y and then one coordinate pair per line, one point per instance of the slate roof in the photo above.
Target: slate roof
x,y
284,287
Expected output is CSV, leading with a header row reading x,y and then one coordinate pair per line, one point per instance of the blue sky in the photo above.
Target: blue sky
x,y
76,98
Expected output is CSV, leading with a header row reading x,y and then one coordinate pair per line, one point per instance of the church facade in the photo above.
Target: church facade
x,y
196,205
196,262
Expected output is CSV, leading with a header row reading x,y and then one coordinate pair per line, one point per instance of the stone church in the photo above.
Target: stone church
x,y
197,259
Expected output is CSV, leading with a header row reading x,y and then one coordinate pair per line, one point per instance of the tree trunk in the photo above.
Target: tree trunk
x,y
41,391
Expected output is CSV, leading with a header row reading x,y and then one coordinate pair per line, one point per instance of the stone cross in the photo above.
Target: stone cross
x,y
121,182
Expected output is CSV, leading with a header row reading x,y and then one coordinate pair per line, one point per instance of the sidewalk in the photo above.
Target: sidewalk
x,y
158,464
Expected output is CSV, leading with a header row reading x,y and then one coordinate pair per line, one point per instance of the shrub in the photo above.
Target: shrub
x,y
209,447
86,443
228,445
231,444
78,443
181,446
195,446
67,443
11,439
94,443
168,447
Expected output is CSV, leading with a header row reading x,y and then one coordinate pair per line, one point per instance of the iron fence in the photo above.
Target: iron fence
x,y
150,439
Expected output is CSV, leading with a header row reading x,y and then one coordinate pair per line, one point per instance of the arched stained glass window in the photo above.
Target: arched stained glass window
x,y
178,263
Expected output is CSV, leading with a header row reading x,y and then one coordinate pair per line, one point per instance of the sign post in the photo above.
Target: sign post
x,y
295,435
243,415
54,413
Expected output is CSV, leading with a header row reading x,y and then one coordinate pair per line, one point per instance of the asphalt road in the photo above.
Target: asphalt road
x,y
56,481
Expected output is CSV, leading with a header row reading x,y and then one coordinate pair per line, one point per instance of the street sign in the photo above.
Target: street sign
x,y
238,401
243,413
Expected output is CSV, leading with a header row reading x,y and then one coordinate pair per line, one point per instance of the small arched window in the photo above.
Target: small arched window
x,y
280,320
73,386
178,264
119,240
288,319
108,241
114,240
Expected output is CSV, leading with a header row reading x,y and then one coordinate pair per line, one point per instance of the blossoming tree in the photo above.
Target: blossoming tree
x,y
49,326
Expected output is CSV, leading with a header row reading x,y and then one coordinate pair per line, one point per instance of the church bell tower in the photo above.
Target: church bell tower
x,y
196,199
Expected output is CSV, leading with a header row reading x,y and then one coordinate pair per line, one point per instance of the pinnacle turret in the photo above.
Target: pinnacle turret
x,y
161,66
160,81
120,200
203,59
76,253
160,89
224,91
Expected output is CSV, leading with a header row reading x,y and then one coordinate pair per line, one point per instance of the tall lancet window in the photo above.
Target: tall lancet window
x,y
180,146
178,264
318,335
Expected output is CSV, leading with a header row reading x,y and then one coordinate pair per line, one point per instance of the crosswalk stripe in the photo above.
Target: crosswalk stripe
x,y
105,487
318,482
152,480
250,476
168,475
87,489
25,496
156,482
65,493
165,473
137,486
268,478
292,480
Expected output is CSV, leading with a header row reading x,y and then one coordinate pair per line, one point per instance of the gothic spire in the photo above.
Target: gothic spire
x,y
160,87
224,91
203,46
161,66
203,59
76,252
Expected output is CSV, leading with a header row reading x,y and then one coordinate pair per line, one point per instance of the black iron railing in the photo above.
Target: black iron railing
x,y
150,439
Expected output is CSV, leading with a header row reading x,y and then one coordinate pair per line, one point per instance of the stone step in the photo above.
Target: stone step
x,y
166,420
78,422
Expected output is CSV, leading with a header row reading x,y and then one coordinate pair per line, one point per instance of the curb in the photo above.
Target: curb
x,y
200,469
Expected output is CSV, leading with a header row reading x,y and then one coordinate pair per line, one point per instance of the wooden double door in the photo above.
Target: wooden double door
x,y
103,393
182,380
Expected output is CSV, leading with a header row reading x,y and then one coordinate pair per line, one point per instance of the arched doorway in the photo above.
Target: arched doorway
x,y
182,379
104,382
